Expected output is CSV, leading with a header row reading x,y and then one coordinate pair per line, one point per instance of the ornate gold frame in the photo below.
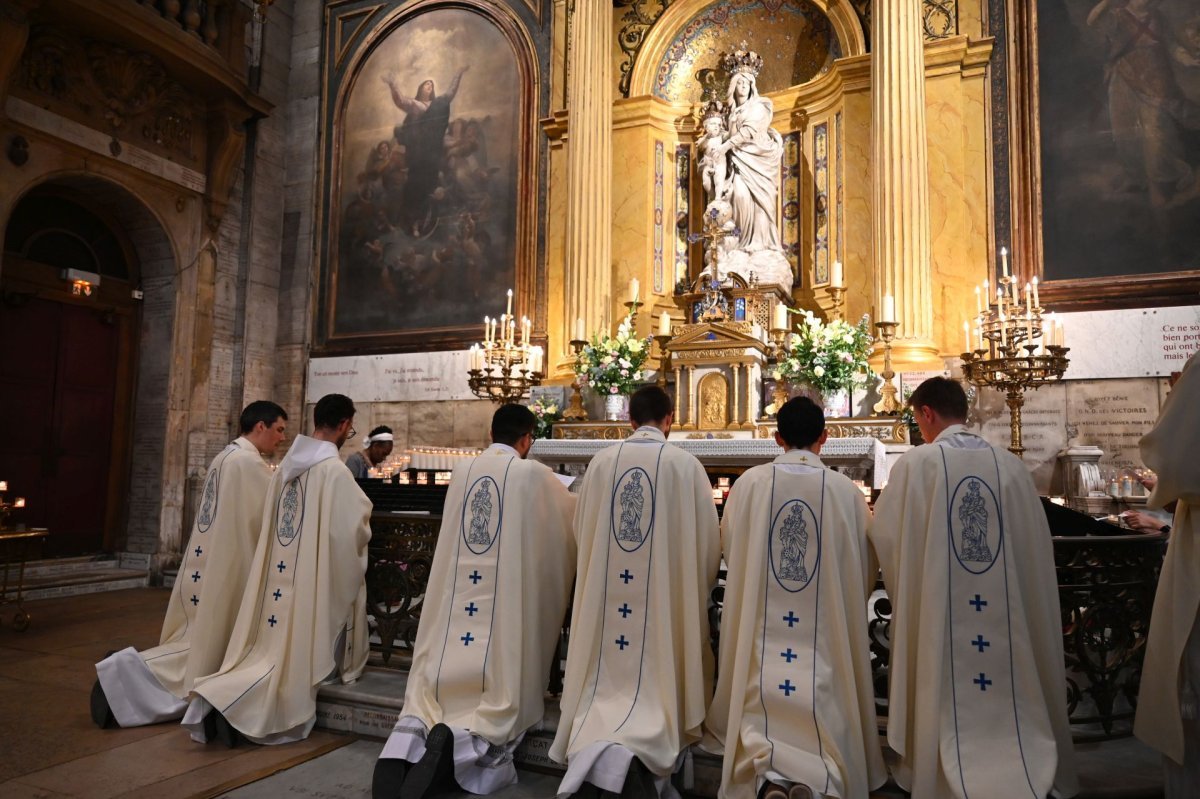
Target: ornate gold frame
x,y
1025,191
333,102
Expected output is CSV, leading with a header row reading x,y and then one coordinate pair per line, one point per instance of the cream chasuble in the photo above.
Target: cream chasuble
x,y
493,614
303,613
639,666
977,705
152,686
1170,449
794,700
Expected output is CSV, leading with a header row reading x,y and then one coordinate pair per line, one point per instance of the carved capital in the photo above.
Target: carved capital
x,y
226,146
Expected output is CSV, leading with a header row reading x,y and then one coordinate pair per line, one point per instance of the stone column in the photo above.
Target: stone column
x,y
900,186
589,165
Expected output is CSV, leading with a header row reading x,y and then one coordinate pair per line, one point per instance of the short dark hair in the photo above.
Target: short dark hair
x,y
510,423
649,404
332,410
383,428
800,422
263,411
943,395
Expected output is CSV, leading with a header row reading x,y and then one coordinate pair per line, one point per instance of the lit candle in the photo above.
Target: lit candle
x,y
20,503
978,301
633,290
1004,260
1028,326
664,324
1000,297
1037,303
508,311
3,485
1060,334
487,328
780,320
979,336
836,277
579,329
1028,298
889,309
967,335
987,298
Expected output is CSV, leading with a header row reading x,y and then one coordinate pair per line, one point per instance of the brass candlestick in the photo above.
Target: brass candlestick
x,y
778,351
664,359
838,295
1006,369
632,307
889,405
576,411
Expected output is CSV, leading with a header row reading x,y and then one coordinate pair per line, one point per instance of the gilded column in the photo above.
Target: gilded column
x,y
900,187
589,164
734,418
678,394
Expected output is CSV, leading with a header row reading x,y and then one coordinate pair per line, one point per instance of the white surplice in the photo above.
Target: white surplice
x,y
639,666
303,612
493,615
794,701
1171,671
152,686
977,704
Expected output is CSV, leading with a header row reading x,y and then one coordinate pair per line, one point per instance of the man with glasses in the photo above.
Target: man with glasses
x,y
303,613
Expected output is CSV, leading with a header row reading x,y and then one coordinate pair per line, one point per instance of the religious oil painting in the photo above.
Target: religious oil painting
x,y
1120,136
426,181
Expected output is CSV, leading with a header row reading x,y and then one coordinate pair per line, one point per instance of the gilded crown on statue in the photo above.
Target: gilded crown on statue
x,y
743,59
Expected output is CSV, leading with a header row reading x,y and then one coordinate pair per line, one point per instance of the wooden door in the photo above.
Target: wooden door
x,y
58,374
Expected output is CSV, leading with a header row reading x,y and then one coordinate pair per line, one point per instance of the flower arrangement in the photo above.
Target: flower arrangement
x,y
547,412
831,356
613,364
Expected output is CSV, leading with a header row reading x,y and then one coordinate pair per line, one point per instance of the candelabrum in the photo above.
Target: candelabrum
x,y
576,412
889,405
503,372
837,294
664,358
632,306
1008,357
777,351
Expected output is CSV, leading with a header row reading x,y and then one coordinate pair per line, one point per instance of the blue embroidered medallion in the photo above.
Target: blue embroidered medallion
x,y
633,509
208,505
975,530
481,514
291,512
795,545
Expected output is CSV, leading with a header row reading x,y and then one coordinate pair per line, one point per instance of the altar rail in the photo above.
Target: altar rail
x,y
1106,585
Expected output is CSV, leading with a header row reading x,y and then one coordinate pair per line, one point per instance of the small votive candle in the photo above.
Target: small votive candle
x,y
889,309
20,503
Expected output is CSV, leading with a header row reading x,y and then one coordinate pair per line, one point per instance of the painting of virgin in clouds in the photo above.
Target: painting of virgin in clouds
x,y
425,203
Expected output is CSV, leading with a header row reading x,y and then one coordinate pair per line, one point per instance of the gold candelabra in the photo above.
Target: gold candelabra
x,y
576,412
631,306
1007,356
503,370
777,350
837,294
888,405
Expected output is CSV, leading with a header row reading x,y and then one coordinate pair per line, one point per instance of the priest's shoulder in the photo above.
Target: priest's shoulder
x,y
245,460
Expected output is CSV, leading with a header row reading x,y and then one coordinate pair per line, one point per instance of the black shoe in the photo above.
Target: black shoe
x,y
101,711
225,733
639,782
589,791
209,724
434,773
389,777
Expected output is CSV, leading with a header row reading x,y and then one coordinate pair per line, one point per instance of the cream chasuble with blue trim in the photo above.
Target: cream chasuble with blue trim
x,y
977,706
639,668
794,700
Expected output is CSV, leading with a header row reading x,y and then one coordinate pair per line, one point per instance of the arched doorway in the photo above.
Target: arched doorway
x,y
69,356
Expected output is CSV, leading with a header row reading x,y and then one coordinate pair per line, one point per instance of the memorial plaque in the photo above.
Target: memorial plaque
x,y
1136,342
1043,428
1112,415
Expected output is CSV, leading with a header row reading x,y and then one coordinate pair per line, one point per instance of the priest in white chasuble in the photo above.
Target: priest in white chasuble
x,y
493,615
977,704
135,688
303,613
1168,711
639,664
795,707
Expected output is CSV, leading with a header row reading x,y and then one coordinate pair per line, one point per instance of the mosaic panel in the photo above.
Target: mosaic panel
x,y
821,179
793,151
683,185
659,168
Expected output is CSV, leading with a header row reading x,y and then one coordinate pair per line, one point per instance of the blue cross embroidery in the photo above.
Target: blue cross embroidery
x,y
789,655
466,639
787,687
471,610
626,576
281,566
621,642
475,576
198,551
272,621
195,576
791,619
978,603
982,681
625,610
195,600
277,594
979,642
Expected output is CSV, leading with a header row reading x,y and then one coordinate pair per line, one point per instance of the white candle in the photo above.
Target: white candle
x,y
978,301
836,277
979,337
664,324
508,311
1028,298
967,335
889,309
1028,327
633,290
1004,260
487,328
20,503
3,485
1060,334
1000,297
580,331
780,320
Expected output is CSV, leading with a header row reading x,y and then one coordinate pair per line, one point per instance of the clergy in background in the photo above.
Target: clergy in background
x,y
977,704
1168,711
493,614
378,445
639,665
794,705
303,614
135,688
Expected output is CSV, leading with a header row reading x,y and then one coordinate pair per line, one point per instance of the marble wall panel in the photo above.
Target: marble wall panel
x,y
1113,415
1043,429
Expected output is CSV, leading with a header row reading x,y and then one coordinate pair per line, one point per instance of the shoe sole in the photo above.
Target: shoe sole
x,y
387,782
435,768
102,713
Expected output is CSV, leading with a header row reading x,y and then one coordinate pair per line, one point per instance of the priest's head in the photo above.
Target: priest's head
x,y
263,424
937,404
651,406
513,426
800,424
379,444
333,419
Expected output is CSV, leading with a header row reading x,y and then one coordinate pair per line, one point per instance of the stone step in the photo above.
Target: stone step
x,y
84,563
1123,768
74,583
